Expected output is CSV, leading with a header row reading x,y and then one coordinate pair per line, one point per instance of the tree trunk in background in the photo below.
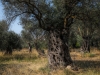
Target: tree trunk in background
x,y
30,48
86,44
8,51
40,52
58,54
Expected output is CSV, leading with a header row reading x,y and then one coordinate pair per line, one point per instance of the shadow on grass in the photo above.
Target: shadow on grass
x,y
17,57
10,69
2,65
3,68
86,64
24,57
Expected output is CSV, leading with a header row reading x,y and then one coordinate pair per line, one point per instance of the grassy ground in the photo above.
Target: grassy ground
x,y
24,63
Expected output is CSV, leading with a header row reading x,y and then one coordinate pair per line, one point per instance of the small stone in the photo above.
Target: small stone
x,y
68,67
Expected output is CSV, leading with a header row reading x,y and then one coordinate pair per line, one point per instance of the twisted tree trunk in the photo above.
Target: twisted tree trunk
x,y
58,54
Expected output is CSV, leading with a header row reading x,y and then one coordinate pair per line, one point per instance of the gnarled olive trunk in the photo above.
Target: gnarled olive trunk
x,y
86,44
58,54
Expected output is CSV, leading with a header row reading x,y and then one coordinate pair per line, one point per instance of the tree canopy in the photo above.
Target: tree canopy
x,y
8,38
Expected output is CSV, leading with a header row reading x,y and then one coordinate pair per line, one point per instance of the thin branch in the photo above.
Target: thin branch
x,y
13,17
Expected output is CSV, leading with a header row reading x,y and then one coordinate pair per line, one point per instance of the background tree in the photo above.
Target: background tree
x,y
87,23
13,41
8,39
3,31
34,35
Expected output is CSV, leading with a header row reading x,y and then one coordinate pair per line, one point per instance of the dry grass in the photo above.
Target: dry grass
x,y
24,63
21,63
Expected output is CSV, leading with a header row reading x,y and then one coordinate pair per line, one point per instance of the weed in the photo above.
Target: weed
x,y
91,55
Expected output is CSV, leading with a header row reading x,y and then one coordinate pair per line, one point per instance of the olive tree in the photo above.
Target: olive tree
x,y
3,31
87,23
9,40
54,16
13,41
33,34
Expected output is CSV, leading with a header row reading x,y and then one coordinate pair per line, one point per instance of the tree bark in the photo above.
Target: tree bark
x,y
86,44
58,54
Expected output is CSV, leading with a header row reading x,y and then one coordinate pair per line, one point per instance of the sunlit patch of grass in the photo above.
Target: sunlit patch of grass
x,y
88,67
45,69
88,55
57,72
91,55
